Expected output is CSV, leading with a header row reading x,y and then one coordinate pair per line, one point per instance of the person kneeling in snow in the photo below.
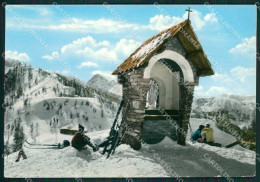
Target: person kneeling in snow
x,y
207,132
80,140
197,134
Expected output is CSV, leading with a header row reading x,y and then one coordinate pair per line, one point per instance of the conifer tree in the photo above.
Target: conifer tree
x,y
18,136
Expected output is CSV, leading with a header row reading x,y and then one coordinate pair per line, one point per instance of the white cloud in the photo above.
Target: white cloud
x,y
84,26
211,17
239,79
213,91
106,74
85,42
161,22
105,54
126,47
103,51
198,88
198,91
242,73
196,19
91,49
79,44
54,55
17,56
87,64
221,77
237,73
247,47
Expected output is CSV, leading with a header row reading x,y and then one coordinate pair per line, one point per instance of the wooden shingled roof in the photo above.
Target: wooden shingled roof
x,y
188,39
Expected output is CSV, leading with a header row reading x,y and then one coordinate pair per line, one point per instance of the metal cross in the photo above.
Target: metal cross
x,y
189,10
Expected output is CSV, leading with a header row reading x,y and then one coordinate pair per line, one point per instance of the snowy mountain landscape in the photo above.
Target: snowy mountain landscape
x,y
241,109
37,98
40,103
234,114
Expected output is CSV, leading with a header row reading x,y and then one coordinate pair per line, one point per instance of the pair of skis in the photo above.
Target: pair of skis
x,y
115,134
43,146
112,140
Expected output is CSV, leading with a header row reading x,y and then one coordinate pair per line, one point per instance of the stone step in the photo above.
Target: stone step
x,y
161,117
161,112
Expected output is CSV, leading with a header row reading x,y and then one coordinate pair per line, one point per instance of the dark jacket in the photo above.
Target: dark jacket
x,y
79,140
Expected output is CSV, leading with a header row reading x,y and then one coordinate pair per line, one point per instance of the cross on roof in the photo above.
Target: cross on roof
x,y
189,10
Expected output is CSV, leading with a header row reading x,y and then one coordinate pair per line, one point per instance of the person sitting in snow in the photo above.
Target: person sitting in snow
x,y
207,132
197,134
80,140
21,153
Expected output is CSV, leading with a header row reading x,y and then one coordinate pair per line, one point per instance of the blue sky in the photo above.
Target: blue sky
x,y
85,40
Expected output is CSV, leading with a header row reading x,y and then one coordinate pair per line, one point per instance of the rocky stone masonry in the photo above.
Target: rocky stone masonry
x,y
135,88
185,111
174,44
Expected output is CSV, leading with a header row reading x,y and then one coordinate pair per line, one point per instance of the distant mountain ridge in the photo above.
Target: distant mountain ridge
x,y
240,108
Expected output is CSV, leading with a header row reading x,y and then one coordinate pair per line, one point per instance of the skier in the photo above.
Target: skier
x,y
197,134
21,153
207,132
80,140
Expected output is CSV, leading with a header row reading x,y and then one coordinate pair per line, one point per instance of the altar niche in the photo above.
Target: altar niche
x,y
158,82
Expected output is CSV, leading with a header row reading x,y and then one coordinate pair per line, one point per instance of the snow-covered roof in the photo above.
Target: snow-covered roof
x,y
188,39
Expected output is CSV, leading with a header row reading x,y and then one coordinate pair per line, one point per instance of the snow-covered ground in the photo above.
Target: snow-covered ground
x,y
166,159
220,137
39,114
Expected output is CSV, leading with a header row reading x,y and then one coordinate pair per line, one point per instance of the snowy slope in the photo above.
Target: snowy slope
x,y
47,98
166,159
220,136
92,111
90,116
117,90
9,64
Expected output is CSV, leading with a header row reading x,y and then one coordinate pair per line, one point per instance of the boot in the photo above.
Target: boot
x,y
23,154
93,146
19,156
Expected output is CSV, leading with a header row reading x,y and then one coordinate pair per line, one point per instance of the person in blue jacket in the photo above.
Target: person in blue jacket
x,y
197,134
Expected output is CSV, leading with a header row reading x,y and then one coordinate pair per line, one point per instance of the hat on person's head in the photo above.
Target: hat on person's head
x,y
207,124
81,128
201,127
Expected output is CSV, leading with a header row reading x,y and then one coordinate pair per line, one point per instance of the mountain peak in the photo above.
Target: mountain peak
x,y
100,82
98,76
